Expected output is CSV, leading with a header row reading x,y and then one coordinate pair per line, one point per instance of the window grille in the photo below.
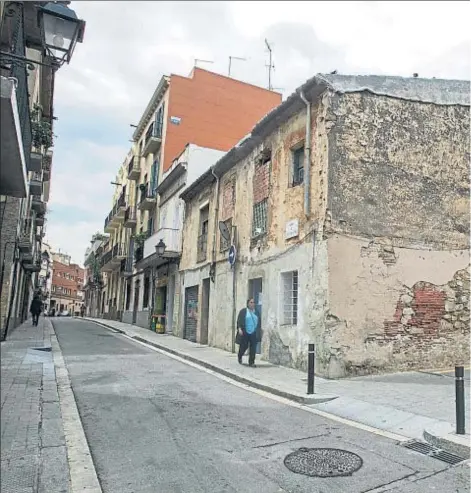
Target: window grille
x,y
259,223
289,301
145,301
298,166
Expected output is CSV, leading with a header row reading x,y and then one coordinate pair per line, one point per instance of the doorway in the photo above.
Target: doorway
x,y
137,286
255,292
205,311
191,313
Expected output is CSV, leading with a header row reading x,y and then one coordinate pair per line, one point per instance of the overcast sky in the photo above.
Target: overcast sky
x,y
128,46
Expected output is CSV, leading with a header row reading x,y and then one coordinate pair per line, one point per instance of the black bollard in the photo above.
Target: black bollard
x,y
311,354
459,399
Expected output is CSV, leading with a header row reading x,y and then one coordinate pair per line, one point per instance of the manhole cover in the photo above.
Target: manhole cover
x,y
323,462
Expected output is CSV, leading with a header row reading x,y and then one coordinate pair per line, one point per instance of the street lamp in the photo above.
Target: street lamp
x,y
60,31
160,248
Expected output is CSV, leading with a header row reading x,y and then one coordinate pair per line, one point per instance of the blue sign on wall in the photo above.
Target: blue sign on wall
x,y
232,255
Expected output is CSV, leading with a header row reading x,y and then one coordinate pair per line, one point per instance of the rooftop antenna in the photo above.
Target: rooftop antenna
x,y
202,61
270,64
234,58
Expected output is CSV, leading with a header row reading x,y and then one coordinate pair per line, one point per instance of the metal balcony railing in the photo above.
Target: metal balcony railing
x,y
153,131
120,250
130,214
146,194
202,247
106,257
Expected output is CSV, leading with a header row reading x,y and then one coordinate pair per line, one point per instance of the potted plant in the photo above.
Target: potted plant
x,y
41,130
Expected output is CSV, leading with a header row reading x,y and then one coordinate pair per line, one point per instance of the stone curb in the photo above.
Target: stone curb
x,y
299,398
82,470
449,442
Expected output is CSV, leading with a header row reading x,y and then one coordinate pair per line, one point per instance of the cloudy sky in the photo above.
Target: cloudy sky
x,y
128,46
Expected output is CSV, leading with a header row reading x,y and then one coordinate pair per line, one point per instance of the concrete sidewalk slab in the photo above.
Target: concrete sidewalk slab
x,y
398,403
35,443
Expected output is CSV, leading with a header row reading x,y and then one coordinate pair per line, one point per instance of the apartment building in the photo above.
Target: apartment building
x,y
93,279
66,288
206,110
347,210
29,61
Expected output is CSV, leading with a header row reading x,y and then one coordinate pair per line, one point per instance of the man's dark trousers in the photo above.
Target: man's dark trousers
x,y
248,341
35,318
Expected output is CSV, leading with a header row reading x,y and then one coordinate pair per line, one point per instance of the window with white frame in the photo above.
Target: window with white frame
x,y
289,301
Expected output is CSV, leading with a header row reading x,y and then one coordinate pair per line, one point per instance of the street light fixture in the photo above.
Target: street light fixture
x,y
160,248
61,29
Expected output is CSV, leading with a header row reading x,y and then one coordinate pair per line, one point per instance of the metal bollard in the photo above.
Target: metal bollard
x,y
311,354
459,399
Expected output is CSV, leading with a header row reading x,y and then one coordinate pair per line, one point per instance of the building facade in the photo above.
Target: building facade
x,y
27,73
66,288
205,109
348,207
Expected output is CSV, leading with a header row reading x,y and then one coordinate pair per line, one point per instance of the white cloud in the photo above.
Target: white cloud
x,y
128,46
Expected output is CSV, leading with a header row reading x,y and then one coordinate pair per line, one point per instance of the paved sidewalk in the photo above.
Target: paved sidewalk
x,y
33,450
407,404
39,449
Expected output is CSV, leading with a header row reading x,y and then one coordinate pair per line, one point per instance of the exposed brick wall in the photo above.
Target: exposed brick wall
x,y
261,182
428,316
228,199
10,211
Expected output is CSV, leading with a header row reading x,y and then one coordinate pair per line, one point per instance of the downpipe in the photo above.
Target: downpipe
x,y
307,156
216,216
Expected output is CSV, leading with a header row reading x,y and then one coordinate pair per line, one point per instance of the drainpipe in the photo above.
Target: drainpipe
x,y
216,215
307,156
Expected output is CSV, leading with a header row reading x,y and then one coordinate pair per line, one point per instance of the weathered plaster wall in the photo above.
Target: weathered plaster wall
x,y
398,235
410,313
400,169
271,254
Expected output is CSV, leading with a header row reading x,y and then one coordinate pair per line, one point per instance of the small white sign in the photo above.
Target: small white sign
x,y
175,120
292,229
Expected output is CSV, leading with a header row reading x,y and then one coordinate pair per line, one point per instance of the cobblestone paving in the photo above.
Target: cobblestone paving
x,y
33,453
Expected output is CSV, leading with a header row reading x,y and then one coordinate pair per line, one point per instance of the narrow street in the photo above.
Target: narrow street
x,y
154,424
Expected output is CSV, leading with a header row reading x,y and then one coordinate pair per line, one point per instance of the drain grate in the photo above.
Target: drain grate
x,y
323,462
434,452
45,349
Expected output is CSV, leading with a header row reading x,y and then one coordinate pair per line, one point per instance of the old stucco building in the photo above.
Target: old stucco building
x,y
358,242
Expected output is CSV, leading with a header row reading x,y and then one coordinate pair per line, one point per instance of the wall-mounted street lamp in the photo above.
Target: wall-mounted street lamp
x,y
160,248
60,29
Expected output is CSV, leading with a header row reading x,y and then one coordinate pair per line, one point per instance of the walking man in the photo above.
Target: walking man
x,y
36,309
248,331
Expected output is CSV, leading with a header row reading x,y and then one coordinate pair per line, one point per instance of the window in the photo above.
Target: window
x,y
298,166
226,244
289,302
259,223
145,301
203,237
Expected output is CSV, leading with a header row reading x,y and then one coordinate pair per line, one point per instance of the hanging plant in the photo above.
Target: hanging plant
x,y
41,130
139,238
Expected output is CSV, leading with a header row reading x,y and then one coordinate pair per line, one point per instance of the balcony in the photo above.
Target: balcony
x,y
120,252
35,162
202,248
134,171
106,261
40,220
147,199
36,184
109,224
25,246
153,139
47,165
38,205
130,217
172,239
120,209
31,264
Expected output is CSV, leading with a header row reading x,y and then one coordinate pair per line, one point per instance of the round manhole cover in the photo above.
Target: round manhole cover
x,y
323,462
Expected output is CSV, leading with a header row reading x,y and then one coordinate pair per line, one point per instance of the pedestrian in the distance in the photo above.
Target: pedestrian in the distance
x,y
35,309
249,331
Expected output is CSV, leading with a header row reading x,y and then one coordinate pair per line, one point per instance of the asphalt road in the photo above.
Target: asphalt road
x,y
156,425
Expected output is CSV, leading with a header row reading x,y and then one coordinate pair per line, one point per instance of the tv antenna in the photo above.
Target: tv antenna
x,y
202,61
270,65
234,58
